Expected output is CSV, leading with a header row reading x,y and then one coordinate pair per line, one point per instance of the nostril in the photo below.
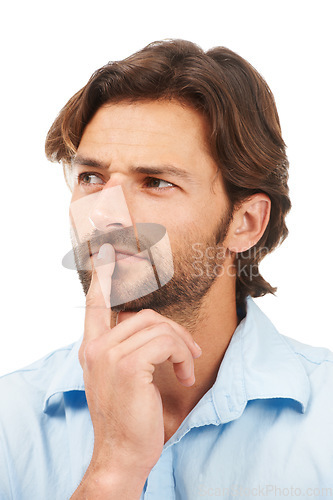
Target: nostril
x,y
101,222
116,225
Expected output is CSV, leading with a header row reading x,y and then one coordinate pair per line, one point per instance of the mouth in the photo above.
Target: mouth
x,y
124,254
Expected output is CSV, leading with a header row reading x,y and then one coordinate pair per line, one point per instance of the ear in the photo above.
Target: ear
x,y
249,223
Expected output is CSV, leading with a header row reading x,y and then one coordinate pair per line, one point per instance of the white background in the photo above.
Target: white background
x,y
49,51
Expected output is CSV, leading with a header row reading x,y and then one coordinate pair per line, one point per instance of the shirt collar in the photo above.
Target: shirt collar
x,y
68,377
258,364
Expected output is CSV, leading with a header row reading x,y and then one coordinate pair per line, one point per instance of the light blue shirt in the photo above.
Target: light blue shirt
x,y
264,429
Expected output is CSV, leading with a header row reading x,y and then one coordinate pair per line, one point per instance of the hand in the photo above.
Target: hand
x,y
118,366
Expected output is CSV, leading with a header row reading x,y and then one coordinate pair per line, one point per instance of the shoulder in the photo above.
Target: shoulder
x,y
37,373
26,388
311,357
32,440
317,363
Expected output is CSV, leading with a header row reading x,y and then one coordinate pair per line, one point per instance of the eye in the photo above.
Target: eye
x,y
155,183
89,178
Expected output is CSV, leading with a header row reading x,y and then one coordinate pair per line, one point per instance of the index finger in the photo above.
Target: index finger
x,y
98,305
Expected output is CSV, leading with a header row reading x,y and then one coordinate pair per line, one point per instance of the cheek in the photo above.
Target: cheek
x,y
183,237
184,223
76,195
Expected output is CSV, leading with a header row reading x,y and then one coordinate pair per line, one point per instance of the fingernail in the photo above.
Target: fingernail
x,y
105,252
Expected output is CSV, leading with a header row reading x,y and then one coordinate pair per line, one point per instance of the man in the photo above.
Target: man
x,y
180,386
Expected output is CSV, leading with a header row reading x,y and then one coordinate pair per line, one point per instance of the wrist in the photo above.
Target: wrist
x,y
100,483
119,480
111,461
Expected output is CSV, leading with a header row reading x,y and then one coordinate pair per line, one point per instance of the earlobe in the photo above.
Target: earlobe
x,y
249,223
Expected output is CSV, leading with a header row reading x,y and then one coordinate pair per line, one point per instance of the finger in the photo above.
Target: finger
x,y
98,309
135,342
164,348
146,318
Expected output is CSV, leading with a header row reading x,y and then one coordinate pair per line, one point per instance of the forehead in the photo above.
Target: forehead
x,y
146,127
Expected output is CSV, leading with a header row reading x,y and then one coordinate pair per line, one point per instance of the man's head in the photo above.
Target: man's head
x,y
156,152
232,110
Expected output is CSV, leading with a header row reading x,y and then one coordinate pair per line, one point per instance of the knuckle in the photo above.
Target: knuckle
x,y
167,340
89,352
166,328
148,313
92,350
186,336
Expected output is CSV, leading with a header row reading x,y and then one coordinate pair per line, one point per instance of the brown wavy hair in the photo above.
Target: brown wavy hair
x,y
245,135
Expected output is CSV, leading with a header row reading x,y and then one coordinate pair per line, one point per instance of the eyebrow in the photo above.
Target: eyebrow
x,y
140,169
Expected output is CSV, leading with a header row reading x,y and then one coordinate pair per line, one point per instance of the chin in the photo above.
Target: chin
x,y
126,308
132,306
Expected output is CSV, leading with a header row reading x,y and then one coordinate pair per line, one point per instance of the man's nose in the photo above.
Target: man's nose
x,y
110,210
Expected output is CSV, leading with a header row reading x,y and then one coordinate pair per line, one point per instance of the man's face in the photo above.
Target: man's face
x,y
156,152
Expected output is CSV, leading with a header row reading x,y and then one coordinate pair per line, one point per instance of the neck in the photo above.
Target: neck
x,y
213,329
